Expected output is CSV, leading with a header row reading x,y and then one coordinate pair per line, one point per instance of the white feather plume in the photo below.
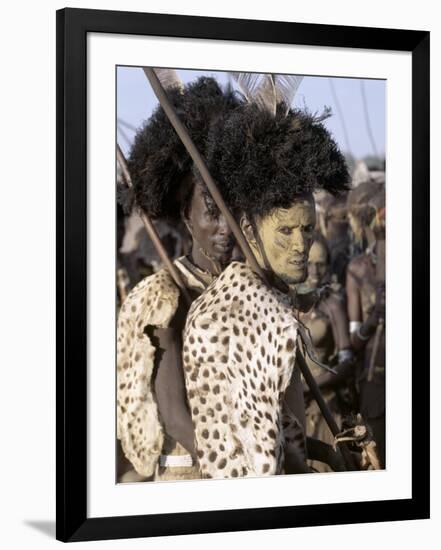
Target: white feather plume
x,y
287,86
267,90
249,83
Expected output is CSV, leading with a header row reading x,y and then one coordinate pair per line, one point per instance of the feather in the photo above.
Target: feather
x,y
249,84
267,90
287,86
169,78
267,94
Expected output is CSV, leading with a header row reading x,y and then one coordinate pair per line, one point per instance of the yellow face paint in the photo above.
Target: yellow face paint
x,y
286,237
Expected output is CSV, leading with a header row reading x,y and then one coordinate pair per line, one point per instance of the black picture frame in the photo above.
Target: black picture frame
x,y
71,427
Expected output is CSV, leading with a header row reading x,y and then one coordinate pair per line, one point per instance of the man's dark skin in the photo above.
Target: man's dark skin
x,y
211,250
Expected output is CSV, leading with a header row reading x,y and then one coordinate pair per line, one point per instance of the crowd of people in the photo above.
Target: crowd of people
x,y
208,381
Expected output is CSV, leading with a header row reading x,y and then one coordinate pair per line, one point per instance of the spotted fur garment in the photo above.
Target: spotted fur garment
x,y
239,349
152,302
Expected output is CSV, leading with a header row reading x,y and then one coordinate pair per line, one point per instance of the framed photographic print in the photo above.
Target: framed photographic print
x,y
225,272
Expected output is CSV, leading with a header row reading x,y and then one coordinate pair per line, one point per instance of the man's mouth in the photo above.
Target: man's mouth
x,y
298,262
224,245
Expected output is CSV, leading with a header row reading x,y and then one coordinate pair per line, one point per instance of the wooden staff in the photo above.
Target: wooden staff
x,y
153,234
234,226
327,415
121,282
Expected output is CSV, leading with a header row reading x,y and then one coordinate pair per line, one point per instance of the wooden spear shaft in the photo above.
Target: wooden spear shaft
x,y
327,415
152,233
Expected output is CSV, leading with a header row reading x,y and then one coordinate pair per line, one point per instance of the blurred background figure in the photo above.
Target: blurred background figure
x,y
333,224
328,325
365,288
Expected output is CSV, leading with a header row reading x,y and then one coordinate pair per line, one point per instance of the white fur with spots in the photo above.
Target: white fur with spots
x,y
152,302
239,350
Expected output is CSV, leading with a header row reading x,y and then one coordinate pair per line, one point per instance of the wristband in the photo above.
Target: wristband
x,y
345,355
354,326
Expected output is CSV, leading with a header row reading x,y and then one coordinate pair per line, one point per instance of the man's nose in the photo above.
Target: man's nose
x,y
312,269
298,242
223,227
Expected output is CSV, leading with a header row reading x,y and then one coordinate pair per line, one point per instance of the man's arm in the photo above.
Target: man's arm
x,y
340,330
339,322
294,406
170,388
329,379
294,401
366,329
361,334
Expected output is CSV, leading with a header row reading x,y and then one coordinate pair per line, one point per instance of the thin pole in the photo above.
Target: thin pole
x,y
124,135
152,233
340,113
367,119
327,415
126,124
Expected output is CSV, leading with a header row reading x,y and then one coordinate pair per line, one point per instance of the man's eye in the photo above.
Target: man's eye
x,y
285,230
212,214
308,228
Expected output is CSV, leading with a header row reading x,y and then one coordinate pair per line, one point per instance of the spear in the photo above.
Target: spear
x,y
237,232
152,233
327,415
121,283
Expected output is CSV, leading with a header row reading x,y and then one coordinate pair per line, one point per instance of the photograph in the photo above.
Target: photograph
x,y
226,272
200,245
250,274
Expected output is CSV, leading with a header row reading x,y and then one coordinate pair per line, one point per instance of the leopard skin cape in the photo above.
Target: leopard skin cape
x,y
239,357
152,302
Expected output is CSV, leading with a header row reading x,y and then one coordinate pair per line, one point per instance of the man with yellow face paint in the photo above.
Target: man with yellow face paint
x,y
282,240
240,340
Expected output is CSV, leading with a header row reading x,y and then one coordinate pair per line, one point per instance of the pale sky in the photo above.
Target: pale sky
x,y
136,100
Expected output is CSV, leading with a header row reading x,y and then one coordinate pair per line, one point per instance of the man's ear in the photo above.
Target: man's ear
x,y
185,196
248,230
186,219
